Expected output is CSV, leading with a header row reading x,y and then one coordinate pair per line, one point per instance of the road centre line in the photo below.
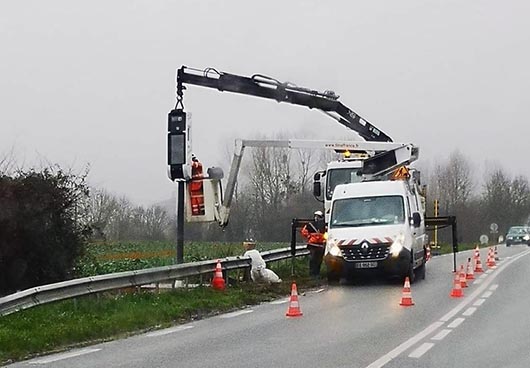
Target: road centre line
x,y
487,294
67,355
434,326
457,322
441,335
421,350
168,331
236,314
494,287
479,302
469,311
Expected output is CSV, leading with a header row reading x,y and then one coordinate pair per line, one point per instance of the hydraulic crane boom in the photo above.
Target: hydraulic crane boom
x,y
266,87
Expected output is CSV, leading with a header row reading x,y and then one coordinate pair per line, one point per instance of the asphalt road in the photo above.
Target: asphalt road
x,y
359,325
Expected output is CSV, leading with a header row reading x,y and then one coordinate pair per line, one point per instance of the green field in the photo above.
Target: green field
x,y
102,258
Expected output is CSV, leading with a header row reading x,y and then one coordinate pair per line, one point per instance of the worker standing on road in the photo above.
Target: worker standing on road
x,y
314,233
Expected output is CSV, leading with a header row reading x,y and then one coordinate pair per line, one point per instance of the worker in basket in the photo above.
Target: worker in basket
x,y
196,187
314,233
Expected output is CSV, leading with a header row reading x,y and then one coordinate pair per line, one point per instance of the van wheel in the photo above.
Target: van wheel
x,y
421,271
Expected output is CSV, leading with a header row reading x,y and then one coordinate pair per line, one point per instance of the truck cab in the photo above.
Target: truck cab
x,y
376,226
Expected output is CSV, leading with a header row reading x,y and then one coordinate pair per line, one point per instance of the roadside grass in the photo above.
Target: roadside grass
x,y
87,320
448,248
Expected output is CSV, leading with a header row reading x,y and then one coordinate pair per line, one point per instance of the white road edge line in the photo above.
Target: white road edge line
x,y
494,287
319,291
236,314
441,335
421,350
487,294
457,322
478,281
404,346
483,276
168,331
469,311
434,326
67,355
276,302
479,302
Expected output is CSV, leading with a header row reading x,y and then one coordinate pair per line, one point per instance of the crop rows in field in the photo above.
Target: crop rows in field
x,y
108,257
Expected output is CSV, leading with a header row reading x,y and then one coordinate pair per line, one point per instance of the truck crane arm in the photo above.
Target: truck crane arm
x,y
270,88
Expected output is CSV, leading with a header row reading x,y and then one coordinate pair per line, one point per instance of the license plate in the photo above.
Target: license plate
x,y
366,265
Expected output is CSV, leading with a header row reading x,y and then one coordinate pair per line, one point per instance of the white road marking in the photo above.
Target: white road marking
x,y
483,276
236,314
479,302
494,287
281,301
421,350
457,322
487,294
488,270
168,331
469,311
477,281
67,355
434,326
441,335
319,291
404,346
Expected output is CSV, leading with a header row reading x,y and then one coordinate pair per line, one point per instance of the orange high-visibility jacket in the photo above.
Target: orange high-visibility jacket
x,y
313,235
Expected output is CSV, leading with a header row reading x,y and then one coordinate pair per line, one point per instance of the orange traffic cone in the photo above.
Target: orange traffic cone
x,y
491,259
406,297
456,292
477,252
428,256
496,254
218,282
463,282
294,306
470,275
478,265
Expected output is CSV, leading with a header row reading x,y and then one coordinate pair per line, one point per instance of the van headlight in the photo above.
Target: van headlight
x,y
526,237
397,245
332,248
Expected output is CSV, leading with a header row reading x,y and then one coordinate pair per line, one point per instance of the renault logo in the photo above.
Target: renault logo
x,y
365,246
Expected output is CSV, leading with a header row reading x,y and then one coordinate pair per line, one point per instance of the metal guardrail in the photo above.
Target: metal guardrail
x,y
120,280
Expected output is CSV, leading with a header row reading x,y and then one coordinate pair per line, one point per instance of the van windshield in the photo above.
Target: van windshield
x,y
341,176
367,211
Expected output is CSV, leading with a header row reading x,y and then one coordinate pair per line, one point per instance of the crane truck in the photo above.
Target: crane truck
x,y
365,173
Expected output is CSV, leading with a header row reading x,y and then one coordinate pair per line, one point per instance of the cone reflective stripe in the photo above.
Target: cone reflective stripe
x,y
406,296
470,275
462,275
294,306
218,282
456,292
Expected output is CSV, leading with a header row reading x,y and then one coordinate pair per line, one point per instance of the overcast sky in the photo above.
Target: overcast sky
x,y
92,82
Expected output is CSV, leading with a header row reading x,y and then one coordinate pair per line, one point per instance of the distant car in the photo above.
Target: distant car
x,y
518,235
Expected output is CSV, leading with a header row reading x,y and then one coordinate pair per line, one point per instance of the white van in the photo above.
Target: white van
x,y
376,226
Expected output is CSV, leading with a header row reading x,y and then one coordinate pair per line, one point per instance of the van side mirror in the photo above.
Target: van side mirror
x,y
416,219
317,186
